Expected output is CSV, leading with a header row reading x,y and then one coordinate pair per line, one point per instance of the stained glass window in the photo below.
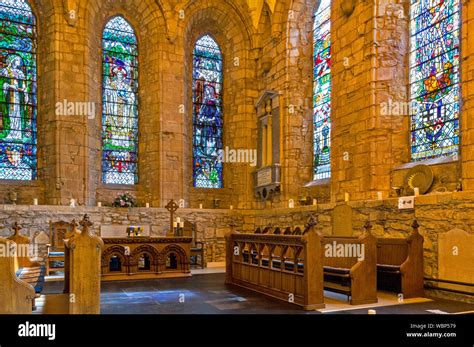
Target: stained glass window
x,y
119,103
207,114
434,78
17,91
322,91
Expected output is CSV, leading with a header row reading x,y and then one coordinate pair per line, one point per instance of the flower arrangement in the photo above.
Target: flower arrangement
x,y
125,200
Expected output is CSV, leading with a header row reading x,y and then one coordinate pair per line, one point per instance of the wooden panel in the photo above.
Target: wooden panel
x,y
305,286
456,259
16,296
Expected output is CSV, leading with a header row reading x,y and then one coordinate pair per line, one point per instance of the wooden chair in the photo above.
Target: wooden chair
x,y
58,232
198,248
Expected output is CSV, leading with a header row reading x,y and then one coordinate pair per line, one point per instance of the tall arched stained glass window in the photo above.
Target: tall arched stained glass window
x,y
434,78
322,91
207,114
119,103
17,91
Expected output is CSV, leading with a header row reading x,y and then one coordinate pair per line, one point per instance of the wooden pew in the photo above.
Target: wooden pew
x,y
82,277
16,295
287,267
400,264
346,273
82,268
29,271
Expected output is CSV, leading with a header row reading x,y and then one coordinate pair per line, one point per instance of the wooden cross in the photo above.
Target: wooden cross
x,y
16,228
172,207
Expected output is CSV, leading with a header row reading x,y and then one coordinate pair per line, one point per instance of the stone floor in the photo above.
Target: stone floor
x,y
207,294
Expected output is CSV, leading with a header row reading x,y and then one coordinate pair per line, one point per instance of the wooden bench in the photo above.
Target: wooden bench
x,y
265,262
16,295
81,283
400,264
29,271
350,267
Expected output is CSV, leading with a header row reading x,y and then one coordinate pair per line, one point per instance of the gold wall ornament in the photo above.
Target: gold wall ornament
x,y
348,7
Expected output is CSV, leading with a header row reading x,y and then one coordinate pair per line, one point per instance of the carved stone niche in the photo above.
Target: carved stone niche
x,y
267,182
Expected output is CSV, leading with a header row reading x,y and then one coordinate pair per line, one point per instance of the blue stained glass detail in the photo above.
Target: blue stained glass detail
x,y
17,91
207,114
434,78
119,103
322,91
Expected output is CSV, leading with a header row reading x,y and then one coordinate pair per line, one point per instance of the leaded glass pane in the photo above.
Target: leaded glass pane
x,y
322,91
207,114
434,78
17,91
119,103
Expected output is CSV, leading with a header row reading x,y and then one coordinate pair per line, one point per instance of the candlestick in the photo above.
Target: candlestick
x,y
417,191
346,197
35,201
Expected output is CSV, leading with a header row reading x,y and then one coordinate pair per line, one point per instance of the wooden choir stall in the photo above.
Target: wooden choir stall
x,y
302,264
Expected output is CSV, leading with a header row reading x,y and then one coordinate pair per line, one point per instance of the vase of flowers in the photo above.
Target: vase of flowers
x,y
125,200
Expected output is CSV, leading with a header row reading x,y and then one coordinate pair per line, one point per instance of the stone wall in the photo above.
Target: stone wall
x,y
212,225
266,45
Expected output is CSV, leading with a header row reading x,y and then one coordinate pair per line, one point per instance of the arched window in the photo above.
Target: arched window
x,y
119,103
207,114
17,91
434,78
322,91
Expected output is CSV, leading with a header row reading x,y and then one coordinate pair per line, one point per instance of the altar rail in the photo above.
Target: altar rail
x,y
287,267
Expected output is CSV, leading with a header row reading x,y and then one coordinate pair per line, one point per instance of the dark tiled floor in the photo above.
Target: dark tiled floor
x,y
207,294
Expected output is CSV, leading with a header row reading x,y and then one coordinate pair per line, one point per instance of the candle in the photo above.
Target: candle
x,y
379,195
417,191
231,207
291,203
200,206
346,197
315,202
175,224
181,225
178,220
147,205
35,201
99,204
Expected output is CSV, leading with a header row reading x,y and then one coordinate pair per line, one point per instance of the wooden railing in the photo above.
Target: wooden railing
x,y
287,267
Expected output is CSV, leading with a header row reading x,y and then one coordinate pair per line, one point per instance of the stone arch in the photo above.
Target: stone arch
x,y
150,27
232,31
